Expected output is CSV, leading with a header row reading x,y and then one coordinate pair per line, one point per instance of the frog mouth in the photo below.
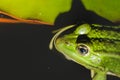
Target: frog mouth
x,y
58,32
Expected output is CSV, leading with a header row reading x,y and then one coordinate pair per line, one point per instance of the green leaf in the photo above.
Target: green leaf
x,y
109,9
44,10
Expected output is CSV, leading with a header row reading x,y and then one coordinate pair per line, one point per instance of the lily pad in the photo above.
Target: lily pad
x,y
108,9
44,10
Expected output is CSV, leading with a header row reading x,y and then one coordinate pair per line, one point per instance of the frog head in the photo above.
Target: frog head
x,y
93,46
77,46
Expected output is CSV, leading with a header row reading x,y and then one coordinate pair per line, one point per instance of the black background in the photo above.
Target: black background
x,y
22,44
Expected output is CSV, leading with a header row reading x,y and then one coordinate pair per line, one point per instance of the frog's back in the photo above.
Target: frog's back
x,y
107,39
112,63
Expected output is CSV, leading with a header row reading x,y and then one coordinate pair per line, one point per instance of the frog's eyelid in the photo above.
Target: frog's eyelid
x,y
59,31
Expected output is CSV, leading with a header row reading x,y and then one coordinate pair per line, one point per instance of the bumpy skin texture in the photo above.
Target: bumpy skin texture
x,y
96,47
45,10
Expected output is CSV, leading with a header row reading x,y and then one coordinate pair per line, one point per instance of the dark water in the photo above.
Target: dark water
x,y
24,47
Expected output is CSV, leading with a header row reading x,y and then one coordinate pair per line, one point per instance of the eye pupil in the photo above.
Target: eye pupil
x,y
82,49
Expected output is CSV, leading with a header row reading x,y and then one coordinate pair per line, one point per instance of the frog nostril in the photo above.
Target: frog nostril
x,y
66,42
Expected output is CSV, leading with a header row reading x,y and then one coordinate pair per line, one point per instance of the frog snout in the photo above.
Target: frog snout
x,y
59,41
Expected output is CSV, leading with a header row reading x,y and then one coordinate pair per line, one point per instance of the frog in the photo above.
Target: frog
x,y
94,46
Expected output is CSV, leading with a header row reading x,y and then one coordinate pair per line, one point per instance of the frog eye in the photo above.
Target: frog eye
x,y
82,49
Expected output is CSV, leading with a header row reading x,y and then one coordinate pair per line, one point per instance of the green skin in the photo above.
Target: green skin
x,y
94,46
